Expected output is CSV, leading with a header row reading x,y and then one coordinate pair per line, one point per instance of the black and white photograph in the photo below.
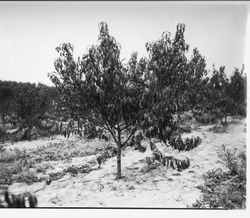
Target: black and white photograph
x,y
123,104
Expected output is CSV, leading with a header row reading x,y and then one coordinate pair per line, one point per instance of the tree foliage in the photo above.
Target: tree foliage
x,y
237,91
178,81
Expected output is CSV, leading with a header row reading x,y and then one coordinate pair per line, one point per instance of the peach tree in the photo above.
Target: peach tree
x,y
102,89
178,82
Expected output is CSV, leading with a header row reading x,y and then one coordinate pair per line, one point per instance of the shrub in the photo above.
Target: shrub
x,y
225,189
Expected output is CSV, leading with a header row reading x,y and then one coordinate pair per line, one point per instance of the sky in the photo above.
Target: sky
x,y
30,31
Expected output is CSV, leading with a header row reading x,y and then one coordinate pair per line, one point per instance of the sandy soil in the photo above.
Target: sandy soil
x,y
160,187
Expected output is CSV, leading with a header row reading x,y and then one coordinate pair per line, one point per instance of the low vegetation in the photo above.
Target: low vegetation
x,y
225,190
23,165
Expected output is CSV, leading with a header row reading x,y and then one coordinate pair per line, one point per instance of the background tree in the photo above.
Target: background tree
x,y
32,104
219,102
6,101
237,90
197,81
102,89
177,80
25,105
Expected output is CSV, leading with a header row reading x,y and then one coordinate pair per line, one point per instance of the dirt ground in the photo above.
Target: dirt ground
x,y
159,187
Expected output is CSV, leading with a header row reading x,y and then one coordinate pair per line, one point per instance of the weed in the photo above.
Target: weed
x,y
229,159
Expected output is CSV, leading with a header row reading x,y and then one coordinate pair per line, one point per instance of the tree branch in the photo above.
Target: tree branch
x,y
132,133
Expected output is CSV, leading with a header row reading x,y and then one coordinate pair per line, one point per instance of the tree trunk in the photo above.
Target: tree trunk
x,y
225,120
3,120
160,133
119,172
221,120
60,127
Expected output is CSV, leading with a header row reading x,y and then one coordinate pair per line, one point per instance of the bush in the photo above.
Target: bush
x,y
225,189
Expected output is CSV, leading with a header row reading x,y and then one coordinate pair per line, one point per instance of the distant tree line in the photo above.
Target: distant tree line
x,y
24,105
